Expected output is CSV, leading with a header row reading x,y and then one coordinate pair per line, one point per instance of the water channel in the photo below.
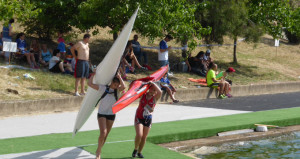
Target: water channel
x,y
285,146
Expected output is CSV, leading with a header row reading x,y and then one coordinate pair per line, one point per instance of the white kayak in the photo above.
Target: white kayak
x,y
105,72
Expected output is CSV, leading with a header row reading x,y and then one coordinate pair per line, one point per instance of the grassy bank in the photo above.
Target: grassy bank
x,y
257,63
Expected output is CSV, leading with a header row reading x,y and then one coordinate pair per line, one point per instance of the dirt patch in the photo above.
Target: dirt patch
x,y
190,145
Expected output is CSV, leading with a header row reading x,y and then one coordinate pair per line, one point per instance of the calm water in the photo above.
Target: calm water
x,y
286,146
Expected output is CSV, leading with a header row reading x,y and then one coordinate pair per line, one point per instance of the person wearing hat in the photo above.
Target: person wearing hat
x,y
223,75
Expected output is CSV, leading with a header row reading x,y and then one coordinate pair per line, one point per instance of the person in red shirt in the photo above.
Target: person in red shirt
x,y
143,118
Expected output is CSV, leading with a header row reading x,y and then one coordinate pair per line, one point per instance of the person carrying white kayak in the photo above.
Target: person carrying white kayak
x,y
105,115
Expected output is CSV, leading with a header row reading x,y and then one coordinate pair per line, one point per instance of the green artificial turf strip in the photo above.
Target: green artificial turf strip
x,y
160,132
123,151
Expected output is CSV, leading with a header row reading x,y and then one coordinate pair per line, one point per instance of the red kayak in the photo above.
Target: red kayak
x,y
137,88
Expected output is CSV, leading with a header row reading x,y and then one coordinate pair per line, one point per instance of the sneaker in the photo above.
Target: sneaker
x,y
77,94
222,96
134,153
170,74
144,68
140,155
175,101
229,95
82,94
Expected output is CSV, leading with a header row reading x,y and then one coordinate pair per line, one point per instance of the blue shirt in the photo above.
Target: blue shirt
x,y
137,48
21,44
62,47
165,81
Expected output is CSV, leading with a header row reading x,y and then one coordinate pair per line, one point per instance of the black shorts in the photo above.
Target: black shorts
x,y
144,122
81,69
108,117
55,68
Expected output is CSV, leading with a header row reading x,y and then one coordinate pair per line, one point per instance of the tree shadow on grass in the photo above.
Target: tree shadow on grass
x,y
245,70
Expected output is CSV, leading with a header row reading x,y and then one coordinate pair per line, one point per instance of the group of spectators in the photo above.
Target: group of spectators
x,y
35,54
75,59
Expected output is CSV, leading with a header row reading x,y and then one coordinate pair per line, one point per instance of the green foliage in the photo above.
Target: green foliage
x,y
55,15
273,15
155,18
227,17
295,22
21,10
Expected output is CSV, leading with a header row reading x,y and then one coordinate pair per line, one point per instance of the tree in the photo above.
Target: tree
x,y
227,17
54,16
21,10
155,18
273,15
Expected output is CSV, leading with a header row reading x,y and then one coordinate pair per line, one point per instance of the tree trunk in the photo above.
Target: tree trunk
x,y
234,51
184,52
115,36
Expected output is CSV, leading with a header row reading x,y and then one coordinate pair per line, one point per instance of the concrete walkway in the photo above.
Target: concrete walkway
x,y
64,122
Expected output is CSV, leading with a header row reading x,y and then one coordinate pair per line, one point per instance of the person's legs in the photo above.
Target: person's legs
x,y
32,59
144,54
170,93
221,91
77,84
143,139
82,85
138,136
135,62
27,55
102,136
61,67
109,124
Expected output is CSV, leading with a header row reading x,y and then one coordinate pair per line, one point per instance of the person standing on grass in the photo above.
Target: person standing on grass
x,y
105,115
82,63
143,118
163,52
7,34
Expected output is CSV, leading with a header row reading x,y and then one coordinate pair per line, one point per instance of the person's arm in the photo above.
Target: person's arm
x,y
158,91
90,83
122,84
188,64
167,49
73,51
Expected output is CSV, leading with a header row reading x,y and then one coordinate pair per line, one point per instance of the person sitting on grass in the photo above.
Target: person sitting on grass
x,y
167,86
105,115
197,64
45,55
130,58
214,83
57,66
21,45
143,118
35,48
223,75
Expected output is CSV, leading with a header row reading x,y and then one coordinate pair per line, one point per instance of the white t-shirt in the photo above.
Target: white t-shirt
x,y
163,56
53,62
105,104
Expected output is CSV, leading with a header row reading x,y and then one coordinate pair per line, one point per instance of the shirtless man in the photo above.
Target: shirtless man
x,y
82,63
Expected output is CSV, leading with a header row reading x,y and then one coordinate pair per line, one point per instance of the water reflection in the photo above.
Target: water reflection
x,y
286,146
